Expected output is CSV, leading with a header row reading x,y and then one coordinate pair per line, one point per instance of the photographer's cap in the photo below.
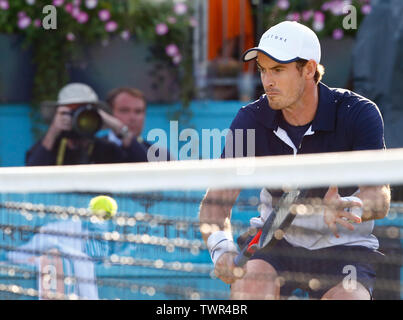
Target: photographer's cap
x,y
286,42
77,93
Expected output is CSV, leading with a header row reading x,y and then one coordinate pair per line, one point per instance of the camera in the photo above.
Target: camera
x,y
86,121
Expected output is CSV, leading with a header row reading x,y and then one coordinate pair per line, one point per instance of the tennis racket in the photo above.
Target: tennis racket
x,y
280,219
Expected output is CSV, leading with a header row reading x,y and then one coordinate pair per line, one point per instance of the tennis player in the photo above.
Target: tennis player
x,y
299,114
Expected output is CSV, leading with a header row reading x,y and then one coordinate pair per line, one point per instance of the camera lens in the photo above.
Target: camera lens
x,y
87,121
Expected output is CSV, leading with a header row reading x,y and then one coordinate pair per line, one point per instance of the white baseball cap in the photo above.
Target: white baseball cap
x,y
286,42
77,93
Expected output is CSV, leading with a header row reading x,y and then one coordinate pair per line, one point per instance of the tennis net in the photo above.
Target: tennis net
x,y
53,247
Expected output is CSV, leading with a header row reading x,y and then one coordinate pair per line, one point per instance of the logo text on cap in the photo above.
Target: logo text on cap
x,y
275,37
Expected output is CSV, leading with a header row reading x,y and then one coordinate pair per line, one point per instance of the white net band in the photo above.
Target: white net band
x,y
311,170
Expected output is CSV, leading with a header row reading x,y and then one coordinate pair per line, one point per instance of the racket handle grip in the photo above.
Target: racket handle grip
x,y
243,257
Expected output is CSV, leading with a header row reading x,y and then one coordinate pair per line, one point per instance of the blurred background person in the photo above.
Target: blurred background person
x,y
128,105
71,138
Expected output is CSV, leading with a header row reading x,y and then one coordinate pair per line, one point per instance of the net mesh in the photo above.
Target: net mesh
x,y
53,247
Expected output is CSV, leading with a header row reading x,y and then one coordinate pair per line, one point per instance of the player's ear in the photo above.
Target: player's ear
x,y
310,69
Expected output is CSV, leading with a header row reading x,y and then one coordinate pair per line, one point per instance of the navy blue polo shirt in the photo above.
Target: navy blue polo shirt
x,y
344,121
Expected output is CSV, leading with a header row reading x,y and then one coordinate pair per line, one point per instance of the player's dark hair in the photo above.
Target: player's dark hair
x,y
320,69
110,99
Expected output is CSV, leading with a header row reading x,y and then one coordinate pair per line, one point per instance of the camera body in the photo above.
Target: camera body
x,y
86,121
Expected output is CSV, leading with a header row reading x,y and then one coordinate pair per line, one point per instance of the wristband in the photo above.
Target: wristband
x,y
220,242
123,132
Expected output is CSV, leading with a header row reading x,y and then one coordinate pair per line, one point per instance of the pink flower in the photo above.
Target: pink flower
x,y
21,14
82,17
306,15
77,3
24,22
319,16
318,21
171,20
111,26
161,29
104,15
69,8
337,7
37,23
294,16
172,50
283,4
327,5
70,36
4,5
180,8
338,34
366,9
58,3
75,12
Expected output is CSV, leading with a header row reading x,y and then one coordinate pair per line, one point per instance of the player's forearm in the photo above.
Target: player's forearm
x,y
376,202
215,211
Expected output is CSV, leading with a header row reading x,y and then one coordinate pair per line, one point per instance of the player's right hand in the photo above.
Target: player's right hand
x,y
226,270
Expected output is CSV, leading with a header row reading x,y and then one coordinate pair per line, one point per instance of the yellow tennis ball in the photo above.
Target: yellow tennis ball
x,y
104,206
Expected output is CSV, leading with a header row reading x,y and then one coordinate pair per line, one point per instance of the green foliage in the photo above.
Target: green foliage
x,y
54,50
312,12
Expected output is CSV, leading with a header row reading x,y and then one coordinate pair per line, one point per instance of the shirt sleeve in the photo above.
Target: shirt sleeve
x,y
240,139
368,132
38,155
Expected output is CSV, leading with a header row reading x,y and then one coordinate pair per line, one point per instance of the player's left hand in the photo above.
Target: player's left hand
x,y
334,212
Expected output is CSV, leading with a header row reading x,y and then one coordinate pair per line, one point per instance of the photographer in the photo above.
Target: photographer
x,y
71,138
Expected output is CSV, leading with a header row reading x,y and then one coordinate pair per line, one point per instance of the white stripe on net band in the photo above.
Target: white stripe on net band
x,y
311,170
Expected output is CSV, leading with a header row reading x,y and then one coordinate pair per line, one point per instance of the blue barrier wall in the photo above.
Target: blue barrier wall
x,y
15,134
205,115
